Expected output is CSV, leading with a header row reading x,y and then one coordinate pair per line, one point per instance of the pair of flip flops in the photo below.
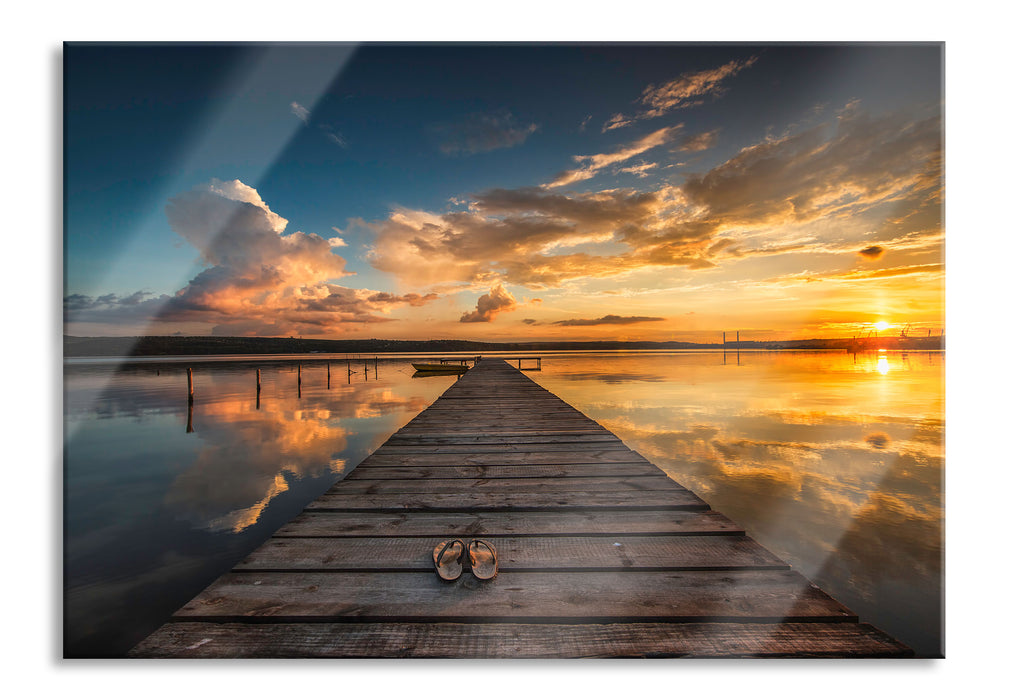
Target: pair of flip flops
x,y
451,556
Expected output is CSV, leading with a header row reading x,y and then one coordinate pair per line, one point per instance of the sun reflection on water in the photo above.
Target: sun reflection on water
x,y
882,364
820,459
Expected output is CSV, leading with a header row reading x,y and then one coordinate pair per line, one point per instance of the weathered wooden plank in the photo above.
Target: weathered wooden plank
x,y
508,640
502,432
500,524
563,500
516,485
400,440
516,553
582,456
491,449
686,596
504,471
480,425
499,405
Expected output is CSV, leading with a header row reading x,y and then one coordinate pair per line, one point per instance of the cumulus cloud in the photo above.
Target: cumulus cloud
x,y
259,280
134,308
686,90
479,133
525,235
608,320
488,306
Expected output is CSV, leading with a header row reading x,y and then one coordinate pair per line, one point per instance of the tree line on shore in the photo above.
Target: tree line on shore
x,y
140,346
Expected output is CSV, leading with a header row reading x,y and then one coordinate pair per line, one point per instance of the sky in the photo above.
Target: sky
x,y
514,192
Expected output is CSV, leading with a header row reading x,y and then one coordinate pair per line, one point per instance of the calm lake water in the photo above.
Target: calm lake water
x,y
834,462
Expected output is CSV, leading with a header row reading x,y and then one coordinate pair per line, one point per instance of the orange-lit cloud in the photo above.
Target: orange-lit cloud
x,y
814,191
687,90
595,163
608,320
697,142
259,280
498,300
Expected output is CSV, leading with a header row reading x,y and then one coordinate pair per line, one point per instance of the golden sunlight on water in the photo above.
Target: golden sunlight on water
x,y
248,455
882,365
833,461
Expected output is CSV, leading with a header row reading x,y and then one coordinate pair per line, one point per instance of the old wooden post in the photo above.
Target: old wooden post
x,y
189,375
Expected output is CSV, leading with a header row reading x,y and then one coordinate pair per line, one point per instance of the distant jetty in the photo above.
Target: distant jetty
x,y
152,345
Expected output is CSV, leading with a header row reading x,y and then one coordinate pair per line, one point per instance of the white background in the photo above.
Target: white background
x,y
31,201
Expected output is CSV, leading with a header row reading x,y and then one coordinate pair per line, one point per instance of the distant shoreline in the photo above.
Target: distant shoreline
x,y
153,346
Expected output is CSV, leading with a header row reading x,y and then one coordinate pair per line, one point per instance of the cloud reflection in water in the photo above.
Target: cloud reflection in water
x,y
834,463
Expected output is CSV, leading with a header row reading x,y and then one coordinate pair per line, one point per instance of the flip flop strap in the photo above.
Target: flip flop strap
x,y
446,548
485,544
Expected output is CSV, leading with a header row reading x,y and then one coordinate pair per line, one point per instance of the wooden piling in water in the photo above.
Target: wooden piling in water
x,y
600,554
189,376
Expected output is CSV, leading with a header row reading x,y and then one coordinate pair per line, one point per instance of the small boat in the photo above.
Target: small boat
x,y
420,374
439,367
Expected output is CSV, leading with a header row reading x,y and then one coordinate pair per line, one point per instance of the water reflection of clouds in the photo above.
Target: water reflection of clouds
x,y
614,377
248,452
248,456
833,464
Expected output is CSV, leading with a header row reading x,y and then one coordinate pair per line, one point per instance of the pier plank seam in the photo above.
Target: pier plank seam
x,y
602,554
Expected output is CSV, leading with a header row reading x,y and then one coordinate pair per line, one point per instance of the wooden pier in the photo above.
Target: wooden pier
x,y
601,555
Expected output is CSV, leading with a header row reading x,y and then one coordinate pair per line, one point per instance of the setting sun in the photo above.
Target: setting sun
x,y
881,325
